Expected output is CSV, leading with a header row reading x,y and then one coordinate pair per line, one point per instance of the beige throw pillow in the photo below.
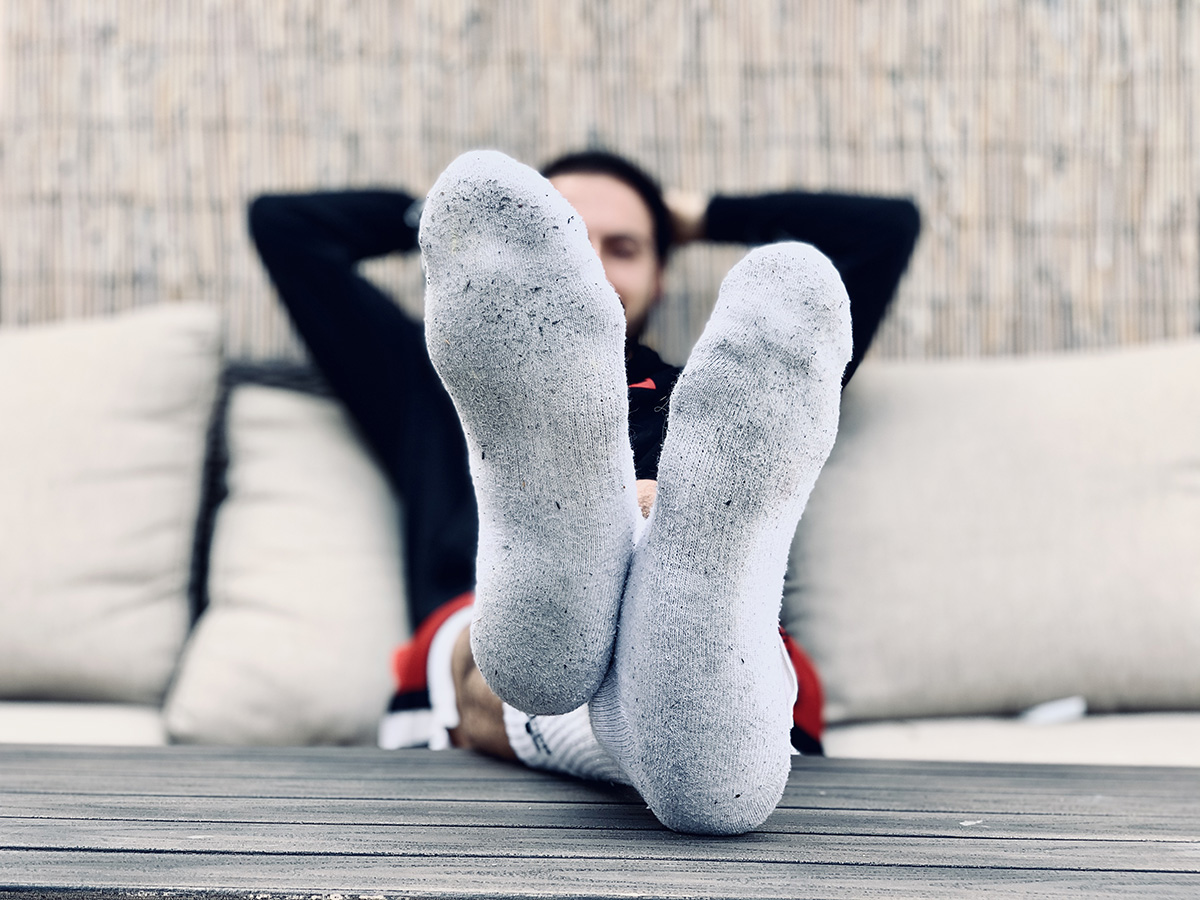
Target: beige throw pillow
x,y
102,426
306,594
992,534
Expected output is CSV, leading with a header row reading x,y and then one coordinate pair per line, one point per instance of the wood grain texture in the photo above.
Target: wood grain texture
x,y
317,822
1053,147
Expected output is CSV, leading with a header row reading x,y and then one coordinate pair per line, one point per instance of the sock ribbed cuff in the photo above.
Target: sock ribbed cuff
x,y
561,744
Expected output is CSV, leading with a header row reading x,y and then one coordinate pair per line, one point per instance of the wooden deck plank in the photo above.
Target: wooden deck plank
x,y
403,775
219,822
183,770
558,814
353,762
400,841
357,764
967,802
309,877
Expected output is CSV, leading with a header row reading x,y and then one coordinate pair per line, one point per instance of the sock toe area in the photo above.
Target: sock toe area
x,y
484,198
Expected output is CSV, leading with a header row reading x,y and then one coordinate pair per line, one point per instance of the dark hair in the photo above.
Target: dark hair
x,y
602,162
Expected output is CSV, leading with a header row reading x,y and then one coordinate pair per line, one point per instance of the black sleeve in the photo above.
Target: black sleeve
x,y
374,358
869,240
370,352
342,226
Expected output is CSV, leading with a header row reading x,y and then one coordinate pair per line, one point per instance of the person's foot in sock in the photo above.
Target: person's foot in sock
x,y
528,337
697,705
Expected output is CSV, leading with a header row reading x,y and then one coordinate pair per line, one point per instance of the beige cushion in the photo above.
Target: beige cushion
x,y
111,724
306,597
102,427
1127,739
988,535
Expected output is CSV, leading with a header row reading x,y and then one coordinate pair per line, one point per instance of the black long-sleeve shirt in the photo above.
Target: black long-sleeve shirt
x,y
868,239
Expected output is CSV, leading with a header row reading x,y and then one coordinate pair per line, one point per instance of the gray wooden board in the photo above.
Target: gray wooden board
x,y
968,802
356,764
352,877
453,824
966,850
1133,825
228,767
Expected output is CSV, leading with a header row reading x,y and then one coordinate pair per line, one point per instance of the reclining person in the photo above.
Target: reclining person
x,y
526,327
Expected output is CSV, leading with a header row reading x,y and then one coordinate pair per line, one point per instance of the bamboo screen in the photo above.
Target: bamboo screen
x,y
1052,145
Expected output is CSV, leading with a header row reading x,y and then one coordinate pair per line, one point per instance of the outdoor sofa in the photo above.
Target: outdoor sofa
x,y
198,552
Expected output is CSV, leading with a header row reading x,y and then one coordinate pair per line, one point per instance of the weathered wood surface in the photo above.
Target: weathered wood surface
x,y
270,823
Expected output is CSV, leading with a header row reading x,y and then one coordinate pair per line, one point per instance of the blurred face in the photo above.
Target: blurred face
x,y
621,230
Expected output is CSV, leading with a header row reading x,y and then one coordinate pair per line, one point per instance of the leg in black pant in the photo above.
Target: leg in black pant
x,y
374,358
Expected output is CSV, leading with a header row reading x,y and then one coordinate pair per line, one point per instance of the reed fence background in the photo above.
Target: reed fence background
x,y
1052,145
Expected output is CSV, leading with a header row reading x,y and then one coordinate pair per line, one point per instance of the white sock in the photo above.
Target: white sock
x,y
529,339
560,744
697,705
